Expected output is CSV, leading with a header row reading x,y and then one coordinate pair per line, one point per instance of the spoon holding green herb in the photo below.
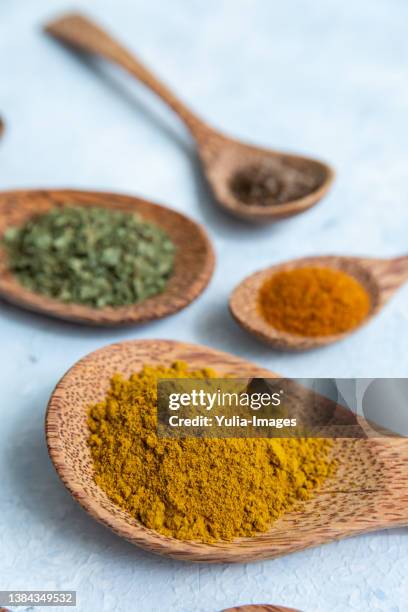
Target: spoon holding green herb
x,y
99,258
252,183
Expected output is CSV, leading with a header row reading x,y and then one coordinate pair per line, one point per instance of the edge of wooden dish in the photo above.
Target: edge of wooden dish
x,y
194,265
243,302
66,433
260,608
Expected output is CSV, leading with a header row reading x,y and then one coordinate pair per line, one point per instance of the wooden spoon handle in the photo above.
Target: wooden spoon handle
x,y
390,508
400,266
79,31
390,274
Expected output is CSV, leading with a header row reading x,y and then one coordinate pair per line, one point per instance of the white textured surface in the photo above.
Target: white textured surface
x,y
322,77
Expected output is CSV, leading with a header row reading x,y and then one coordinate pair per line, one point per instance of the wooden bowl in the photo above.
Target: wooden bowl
x,y
194,262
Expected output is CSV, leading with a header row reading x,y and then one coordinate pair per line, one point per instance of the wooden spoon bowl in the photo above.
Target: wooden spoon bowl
x,y
194,262
223,158
380,277
368,492
261,608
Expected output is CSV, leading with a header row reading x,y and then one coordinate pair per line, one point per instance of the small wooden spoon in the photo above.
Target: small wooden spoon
x,y
380,277
260,608
369,490
223,158
194,261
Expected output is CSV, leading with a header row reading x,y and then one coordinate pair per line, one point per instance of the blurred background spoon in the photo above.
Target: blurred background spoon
x,y
260,608
252,183
380,277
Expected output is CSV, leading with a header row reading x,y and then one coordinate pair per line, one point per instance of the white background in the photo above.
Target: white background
x,y
327,78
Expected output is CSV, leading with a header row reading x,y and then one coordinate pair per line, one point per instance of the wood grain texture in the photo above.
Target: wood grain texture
x,y
369,491
194,261
221,156
381,278
261,608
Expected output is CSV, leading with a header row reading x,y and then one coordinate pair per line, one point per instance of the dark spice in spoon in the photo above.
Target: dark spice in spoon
x,y
90,255
270,183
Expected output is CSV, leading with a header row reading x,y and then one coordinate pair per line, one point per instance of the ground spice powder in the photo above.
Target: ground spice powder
x,y
196,489
272,182
313,301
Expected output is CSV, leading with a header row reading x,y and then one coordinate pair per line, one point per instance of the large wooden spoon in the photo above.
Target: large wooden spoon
x,y
368,492
194,262
380,277
227,162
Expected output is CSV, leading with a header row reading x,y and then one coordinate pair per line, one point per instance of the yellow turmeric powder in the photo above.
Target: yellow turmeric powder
x,y
196,489
313,301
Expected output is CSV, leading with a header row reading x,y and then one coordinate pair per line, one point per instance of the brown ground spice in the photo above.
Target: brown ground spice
x,y
272,182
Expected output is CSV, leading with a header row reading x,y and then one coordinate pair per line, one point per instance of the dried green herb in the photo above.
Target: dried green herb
x,y
90,255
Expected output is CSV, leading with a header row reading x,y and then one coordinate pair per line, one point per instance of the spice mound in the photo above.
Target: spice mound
x,y
313,301
195,489
90,255
271,183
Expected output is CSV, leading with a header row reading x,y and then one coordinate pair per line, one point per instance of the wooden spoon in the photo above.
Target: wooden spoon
x,y
368,492
194,261
261,608
380,277
223,158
